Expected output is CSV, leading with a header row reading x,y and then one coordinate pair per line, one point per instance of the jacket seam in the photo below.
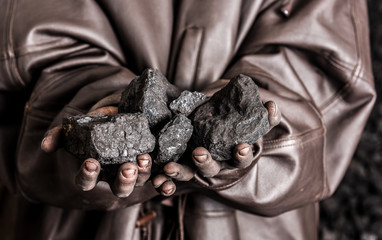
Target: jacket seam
x,y
358,45
200,50
26,53
296,142
5,37
355,71
336,62
296,137
6,28
12,65
296,74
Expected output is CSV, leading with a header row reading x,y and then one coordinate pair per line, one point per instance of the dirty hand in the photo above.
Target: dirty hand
x,y
128,176
243,155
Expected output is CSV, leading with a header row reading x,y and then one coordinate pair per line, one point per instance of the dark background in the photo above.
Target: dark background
x,y
355,209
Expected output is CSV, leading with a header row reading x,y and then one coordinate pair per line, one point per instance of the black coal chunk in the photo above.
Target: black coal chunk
x,y
111,139
148,94
173,138
233,115
186,103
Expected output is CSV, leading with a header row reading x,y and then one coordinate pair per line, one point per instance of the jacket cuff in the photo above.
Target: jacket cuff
x,y
228,177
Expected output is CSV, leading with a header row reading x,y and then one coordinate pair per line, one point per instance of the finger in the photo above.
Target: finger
x,y
168,188
274,114
51,140
204,162
86,178
111,100
125,181
178,171
159,179
144,169
164,185
243,155
109,110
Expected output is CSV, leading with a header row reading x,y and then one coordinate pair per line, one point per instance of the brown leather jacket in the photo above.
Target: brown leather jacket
x,y
59,58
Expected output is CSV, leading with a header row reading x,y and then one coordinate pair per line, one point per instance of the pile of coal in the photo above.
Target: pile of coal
x,y
153,118
111,139
233,115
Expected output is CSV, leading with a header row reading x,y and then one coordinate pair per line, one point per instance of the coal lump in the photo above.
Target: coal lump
x,y
148,94
111,139
233,115
186,103
173,138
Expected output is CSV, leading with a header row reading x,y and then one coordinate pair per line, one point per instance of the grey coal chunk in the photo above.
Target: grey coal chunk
x,y
233,115
111,139
187,102
173,139
148,94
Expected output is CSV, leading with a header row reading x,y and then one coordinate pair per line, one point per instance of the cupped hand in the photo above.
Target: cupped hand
x,y
243,156
129,175
204,165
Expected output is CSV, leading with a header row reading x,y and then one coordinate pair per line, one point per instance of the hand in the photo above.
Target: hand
x,y
128,175
243,156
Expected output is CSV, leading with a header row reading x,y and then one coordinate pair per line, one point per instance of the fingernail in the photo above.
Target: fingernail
x,y
169,190
275,109
90,166
270,106
128,173
172,174
200,158
143,163
244,151
43,143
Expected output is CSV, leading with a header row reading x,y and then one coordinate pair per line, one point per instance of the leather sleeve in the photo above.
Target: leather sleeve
x,y
69,68
315,65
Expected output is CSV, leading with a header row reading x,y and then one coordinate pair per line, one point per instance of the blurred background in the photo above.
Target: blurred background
x,y
355,209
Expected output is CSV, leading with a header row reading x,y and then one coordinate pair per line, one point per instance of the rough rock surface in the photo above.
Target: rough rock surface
x,y
173,138
109,139
148,94
186,103
233,115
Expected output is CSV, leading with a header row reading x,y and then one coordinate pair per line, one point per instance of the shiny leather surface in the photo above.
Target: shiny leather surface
x,y
68,55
